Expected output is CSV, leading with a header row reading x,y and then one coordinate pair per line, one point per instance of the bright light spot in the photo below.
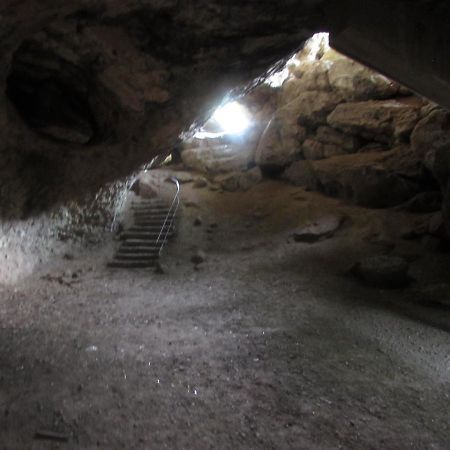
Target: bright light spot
x,y
318,43
232,117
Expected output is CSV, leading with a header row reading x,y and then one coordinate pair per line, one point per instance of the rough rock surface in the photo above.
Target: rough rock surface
x,y
372,179
95,89
384,120
239,181
280,143
321,228
357,82
210,156
431,143
383,271
313,149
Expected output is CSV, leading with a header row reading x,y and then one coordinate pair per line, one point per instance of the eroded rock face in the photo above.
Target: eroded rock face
x,y
95,89
376,180
385,121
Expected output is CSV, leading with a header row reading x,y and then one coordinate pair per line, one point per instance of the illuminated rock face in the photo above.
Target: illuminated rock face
x,y
92,90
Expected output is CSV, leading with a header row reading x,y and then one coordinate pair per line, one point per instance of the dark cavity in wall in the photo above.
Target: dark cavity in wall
x,y
51,94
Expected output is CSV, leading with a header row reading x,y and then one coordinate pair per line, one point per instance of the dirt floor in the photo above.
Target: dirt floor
x,y
268,344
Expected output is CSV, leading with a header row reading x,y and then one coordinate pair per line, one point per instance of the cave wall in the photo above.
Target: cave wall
x,y
91,90
26,244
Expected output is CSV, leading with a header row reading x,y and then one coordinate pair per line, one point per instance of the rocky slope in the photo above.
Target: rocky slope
x,y
338,127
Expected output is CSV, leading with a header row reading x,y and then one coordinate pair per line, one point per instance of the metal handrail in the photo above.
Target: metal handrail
x,y
169,221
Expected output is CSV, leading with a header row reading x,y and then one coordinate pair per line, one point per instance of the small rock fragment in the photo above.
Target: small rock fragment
x,y
198,257
322,228
200,182
160,268
197,221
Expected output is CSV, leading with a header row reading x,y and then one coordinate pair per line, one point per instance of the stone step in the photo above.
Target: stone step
x,y
136,242
136,257
117,264
159,219
144,235
138,249
150,208
150,205
150,228
152,213
151,223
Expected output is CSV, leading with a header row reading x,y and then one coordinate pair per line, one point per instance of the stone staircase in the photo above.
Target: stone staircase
x,y
140,247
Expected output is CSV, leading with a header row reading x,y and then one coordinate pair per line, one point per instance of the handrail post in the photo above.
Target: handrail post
x,y
172,210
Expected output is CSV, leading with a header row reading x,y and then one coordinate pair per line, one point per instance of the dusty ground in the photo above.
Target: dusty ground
x,y
268,345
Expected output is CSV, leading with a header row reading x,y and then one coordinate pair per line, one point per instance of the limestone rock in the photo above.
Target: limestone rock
x,y
240,181
313,149
280,143
430,141
346,142
313,107
215,158
371,179
321,228
384,120
308,76
383,271
250,178
357,82
200,182
302,173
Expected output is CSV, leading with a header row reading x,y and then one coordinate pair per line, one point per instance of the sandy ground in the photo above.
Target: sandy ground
x,y
268,345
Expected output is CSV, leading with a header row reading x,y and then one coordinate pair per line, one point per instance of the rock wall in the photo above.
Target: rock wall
x,y
25,244
342,129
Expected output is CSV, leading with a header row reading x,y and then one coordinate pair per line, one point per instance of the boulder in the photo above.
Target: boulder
x,y
346,142
200,182
373,180
313,149
239,181
383,120
280,143
430,140
321,228
210,157
383,271
250,178
308,76
357,82
313,107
